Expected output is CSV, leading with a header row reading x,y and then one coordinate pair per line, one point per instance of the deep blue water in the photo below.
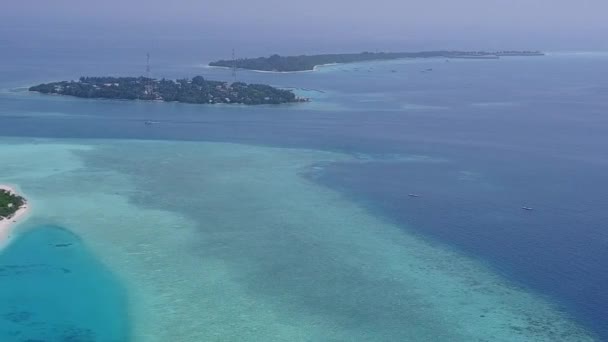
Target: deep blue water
x,y
53,289
509,133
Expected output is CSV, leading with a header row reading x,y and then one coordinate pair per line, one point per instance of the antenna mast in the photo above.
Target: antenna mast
x,y
148,65
233,66
148,85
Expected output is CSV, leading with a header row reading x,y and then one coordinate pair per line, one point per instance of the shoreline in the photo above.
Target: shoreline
x,y
315,68
488,56
7,225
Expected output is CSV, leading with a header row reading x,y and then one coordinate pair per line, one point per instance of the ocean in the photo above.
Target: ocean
x,y
389,208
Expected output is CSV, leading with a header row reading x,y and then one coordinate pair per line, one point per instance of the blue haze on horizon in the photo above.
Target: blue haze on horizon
x,y
267,26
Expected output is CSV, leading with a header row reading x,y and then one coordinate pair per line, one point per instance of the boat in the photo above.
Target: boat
x,y
527,208
413,195
148,122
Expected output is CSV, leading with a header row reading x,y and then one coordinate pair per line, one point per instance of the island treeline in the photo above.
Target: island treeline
x,y
9,203
306,63
195,90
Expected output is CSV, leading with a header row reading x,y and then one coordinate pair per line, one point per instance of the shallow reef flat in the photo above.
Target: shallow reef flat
x,y
218,241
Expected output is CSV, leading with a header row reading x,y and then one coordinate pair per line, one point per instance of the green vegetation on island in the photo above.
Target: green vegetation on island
x,y
9,203
306,63
195,90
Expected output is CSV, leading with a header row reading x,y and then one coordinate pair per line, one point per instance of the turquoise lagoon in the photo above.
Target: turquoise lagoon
x,y
53,289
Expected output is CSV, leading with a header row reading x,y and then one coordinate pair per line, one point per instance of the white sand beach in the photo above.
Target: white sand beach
x,y
7,224
315,68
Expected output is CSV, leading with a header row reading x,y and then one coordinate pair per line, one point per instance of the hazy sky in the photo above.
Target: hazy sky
x,y
337,24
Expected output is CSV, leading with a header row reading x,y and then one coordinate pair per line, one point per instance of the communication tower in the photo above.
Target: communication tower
x,y
148,65
233,65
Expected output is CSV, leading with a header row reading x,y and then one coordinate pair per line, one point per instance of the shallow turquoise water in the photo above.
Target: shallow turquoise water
x,y
53,289
219,241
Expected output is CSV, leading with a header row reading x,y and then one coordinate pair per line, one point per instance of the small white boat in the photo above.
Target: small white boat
x,y
527,208
413,195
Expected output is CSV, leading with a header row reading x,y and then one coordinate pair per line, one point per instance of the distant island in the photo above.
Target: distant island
x,y
278,63
195,90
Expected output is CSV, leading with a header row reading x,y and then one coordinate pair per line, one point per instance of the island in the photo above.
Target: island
x,y
12,208
195,90
278,63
